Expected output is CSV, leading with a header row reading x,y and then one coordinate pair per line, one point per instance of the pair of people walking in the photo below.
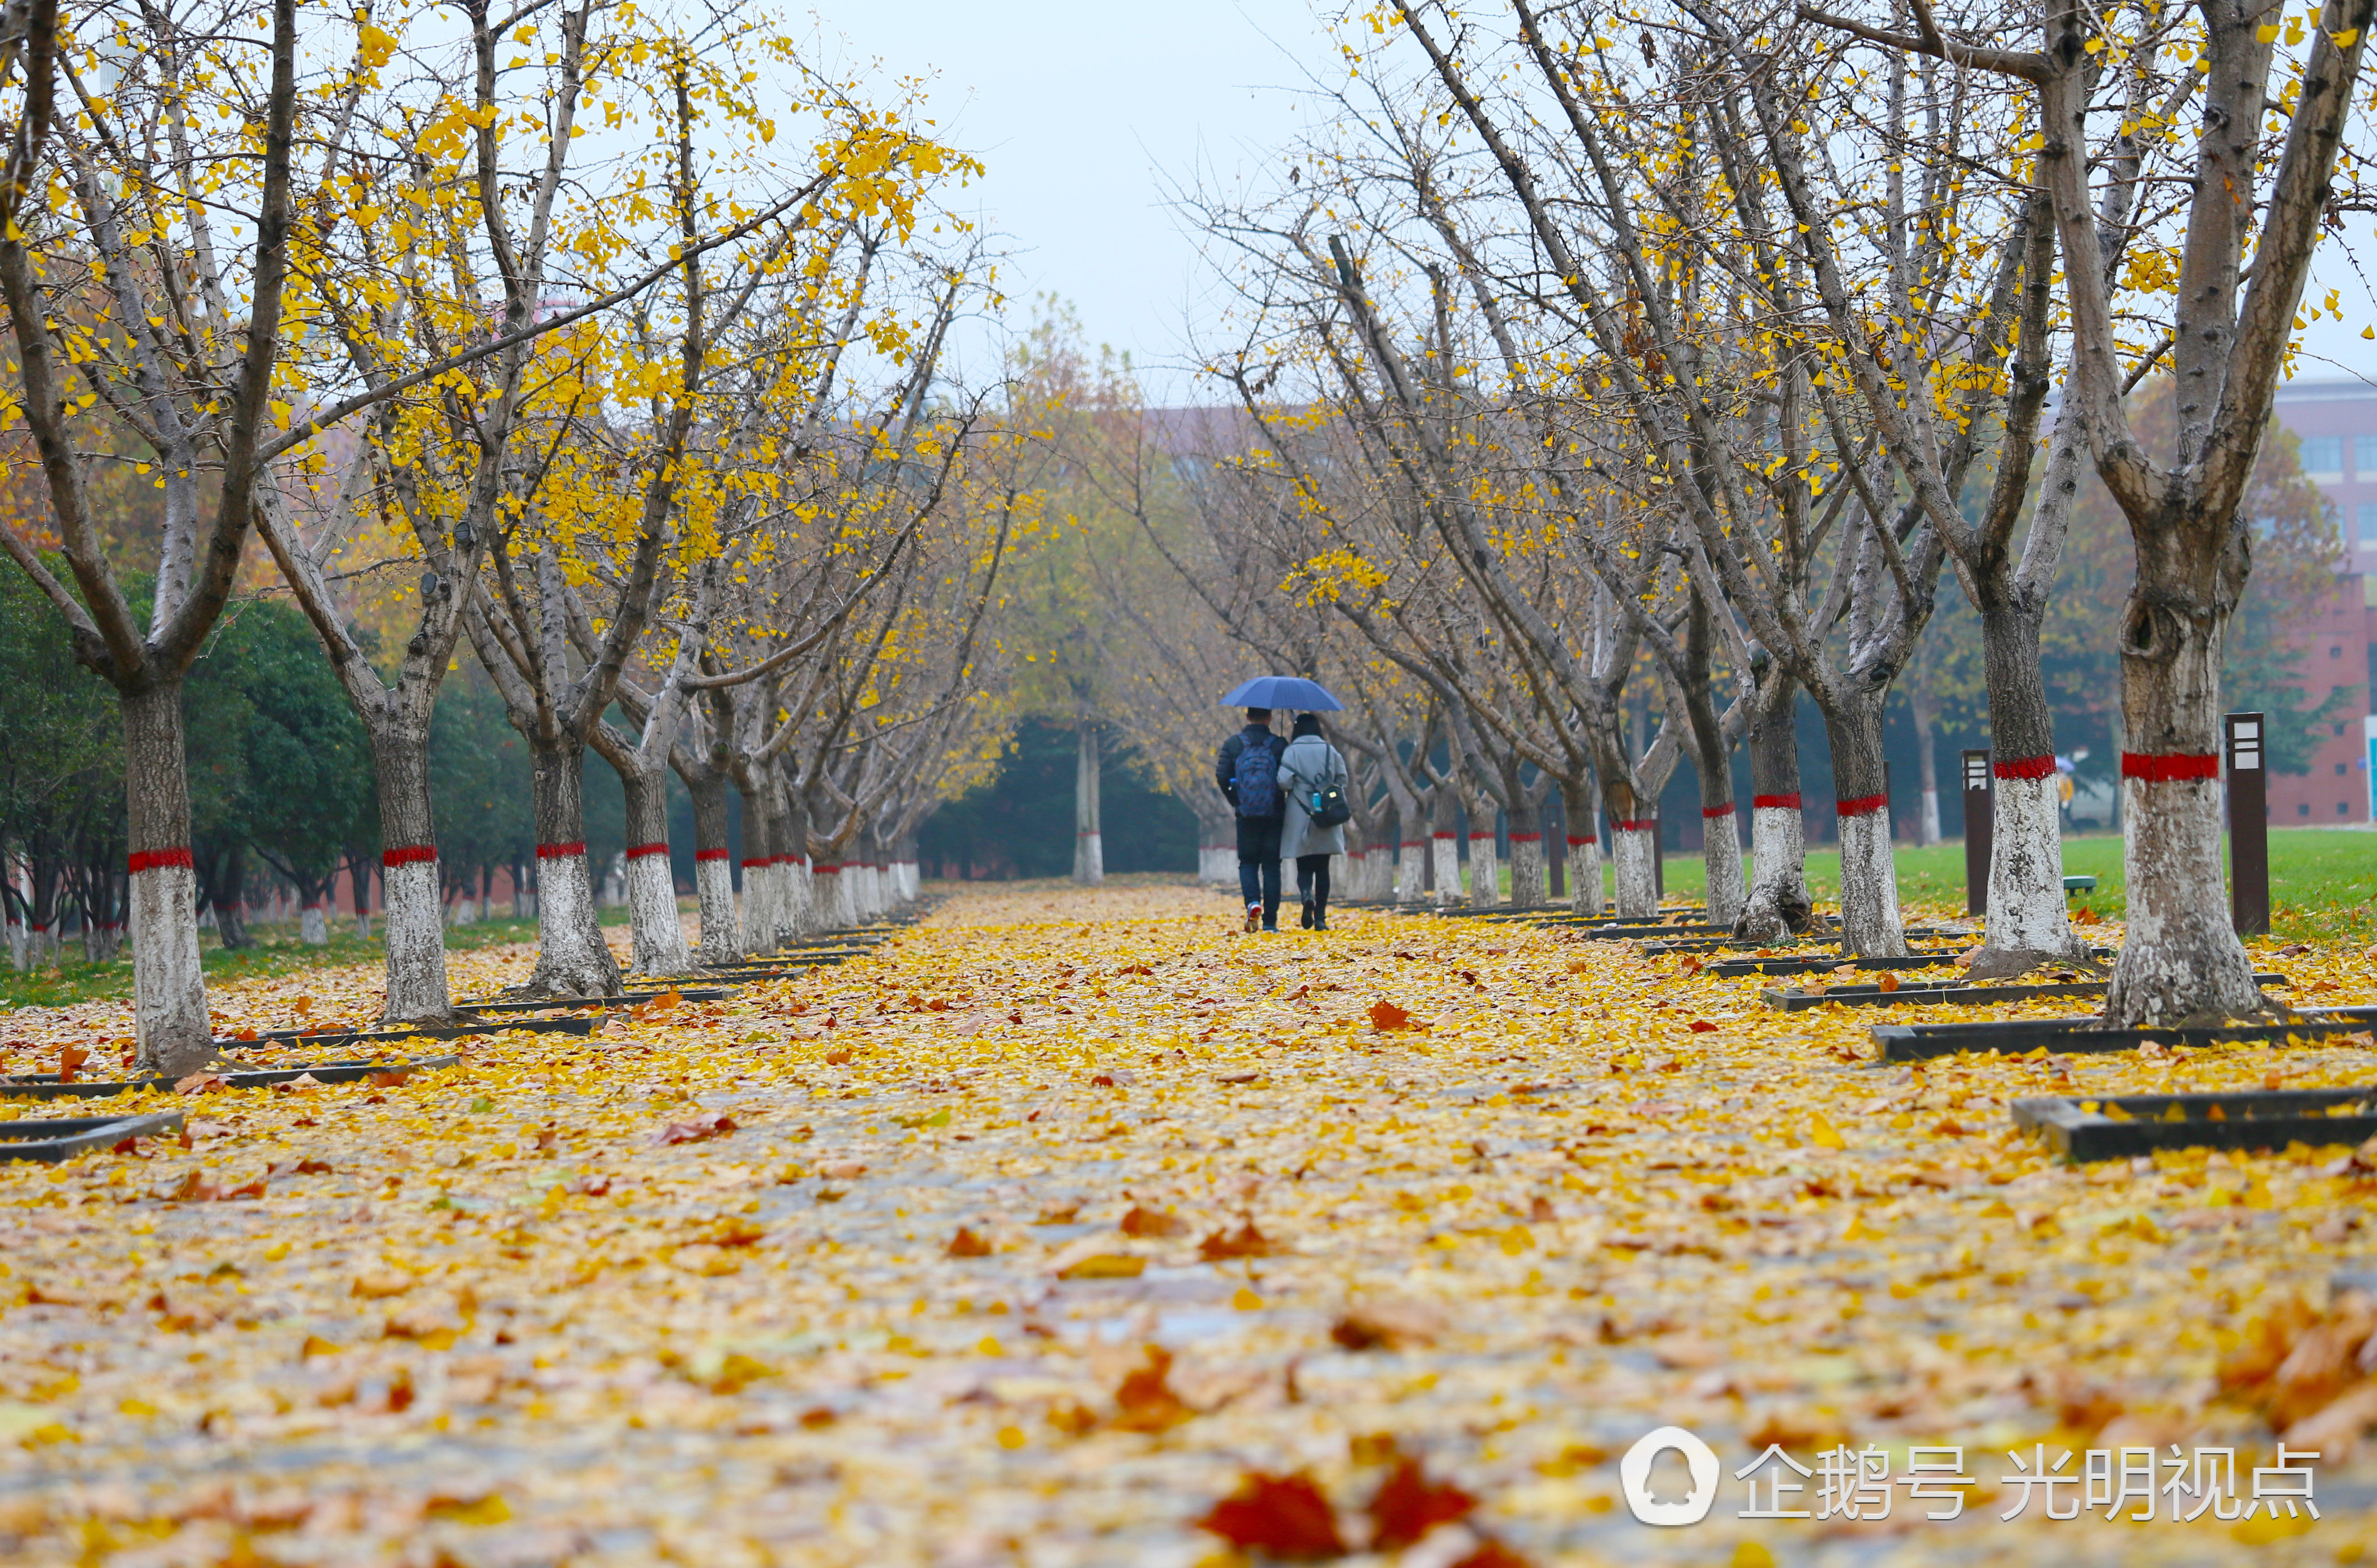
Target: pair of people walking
x,y
1291,805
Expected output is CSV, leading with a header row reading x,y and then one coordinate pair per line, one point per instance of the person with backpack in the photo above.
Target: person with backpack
x,y
1313,776
1248,772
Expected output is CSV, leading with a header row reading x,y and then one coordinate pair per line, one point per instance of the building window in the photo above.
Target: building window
x,y
2344,809
2323,455
2339,770
2303,811
2364,455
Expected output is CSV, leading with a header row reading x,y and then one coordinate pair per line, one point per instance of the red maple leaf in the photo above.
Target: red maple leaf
x,y
1287,1516
1408,1505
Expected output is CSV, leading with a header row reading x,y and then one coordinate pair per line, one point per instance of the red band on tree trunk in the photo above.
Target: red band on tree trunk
x,y
1640,825
2169,767
1715,811
1776,802
1408,844
637,851
1573,840
409,855
560,851
1525,838
1447,835
2025,768
710,855
1861,806
157,859
828,869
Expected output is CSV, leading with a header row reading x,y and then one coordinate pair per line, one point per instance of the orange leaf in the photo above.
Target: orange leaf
x,y
1147,1222
1146,1400
1386,1016
70,1057
1284,1516
966,1244
1247,1242
1703,1027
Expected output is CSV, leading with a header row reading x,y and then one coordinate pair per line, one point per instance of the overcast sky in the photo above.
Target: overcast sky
x,y
1086,113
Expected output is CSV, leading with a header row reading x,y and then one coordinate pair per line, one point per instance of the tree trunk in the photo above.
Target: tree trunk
x,y
2180,959
1089,844
1444,862
1633,853
1526,815
713,876
231,900
571,959
1919,708
1869,921
659,934
413,906
759,928
2029,918
790,886
1581,806
1778,901
1484,863
169,992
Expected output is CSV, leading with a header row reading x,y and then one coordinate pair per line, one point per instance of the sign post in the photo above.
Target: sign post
x,y
1979,819
2248,824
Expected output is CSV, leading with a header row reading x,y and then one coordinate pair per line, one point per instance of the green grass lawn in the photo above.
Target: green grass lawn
x,y
278,951
2322,880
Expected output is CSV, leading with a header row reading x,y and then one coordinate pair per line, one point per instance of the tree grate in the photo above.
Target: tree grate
x,y
45,1085
1919,1042
51,1139
2121,1126
1932,996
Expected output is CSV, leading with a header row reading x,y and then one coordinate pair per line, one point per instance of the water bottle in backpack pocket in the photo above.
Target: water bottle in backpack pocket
x,y
1329,807
1257,779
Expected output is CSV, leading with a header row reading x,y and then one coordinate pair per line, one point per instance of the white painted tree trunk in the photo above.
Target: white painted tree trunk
x,y
714,885
1527,870
1634,847
826,886
313,926
174,1033
1484,873
1721,863
1931,815
414,915
2027,913
2181,957
1410,873
1447,850
571,958
1585,895
758,935
1870,925
1778,851
659,933
1089,832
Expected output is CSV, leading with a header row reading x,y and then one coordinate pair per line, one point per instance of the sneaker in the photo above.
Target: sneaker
x,y
1254,916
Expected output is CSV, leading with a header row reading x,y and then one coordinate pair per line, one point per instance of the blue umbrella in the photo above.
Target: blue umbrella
x,y
1291,692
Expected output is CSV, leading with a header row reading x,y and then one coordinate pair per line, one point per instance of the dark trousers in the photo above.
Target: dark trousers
x,y
1259,882
1312,883
1258,865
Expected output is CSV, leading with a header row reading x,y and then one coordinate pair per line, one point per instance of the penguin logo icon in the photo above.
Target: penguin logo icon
x,y
1634,1478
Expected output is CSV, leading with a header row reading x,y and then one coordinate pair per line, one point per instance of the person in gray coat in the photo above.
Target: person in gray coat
x,y
1311,767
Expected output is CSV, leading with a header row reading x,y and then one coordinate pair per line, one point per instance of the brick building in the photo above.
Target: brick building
x,y
2337,422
